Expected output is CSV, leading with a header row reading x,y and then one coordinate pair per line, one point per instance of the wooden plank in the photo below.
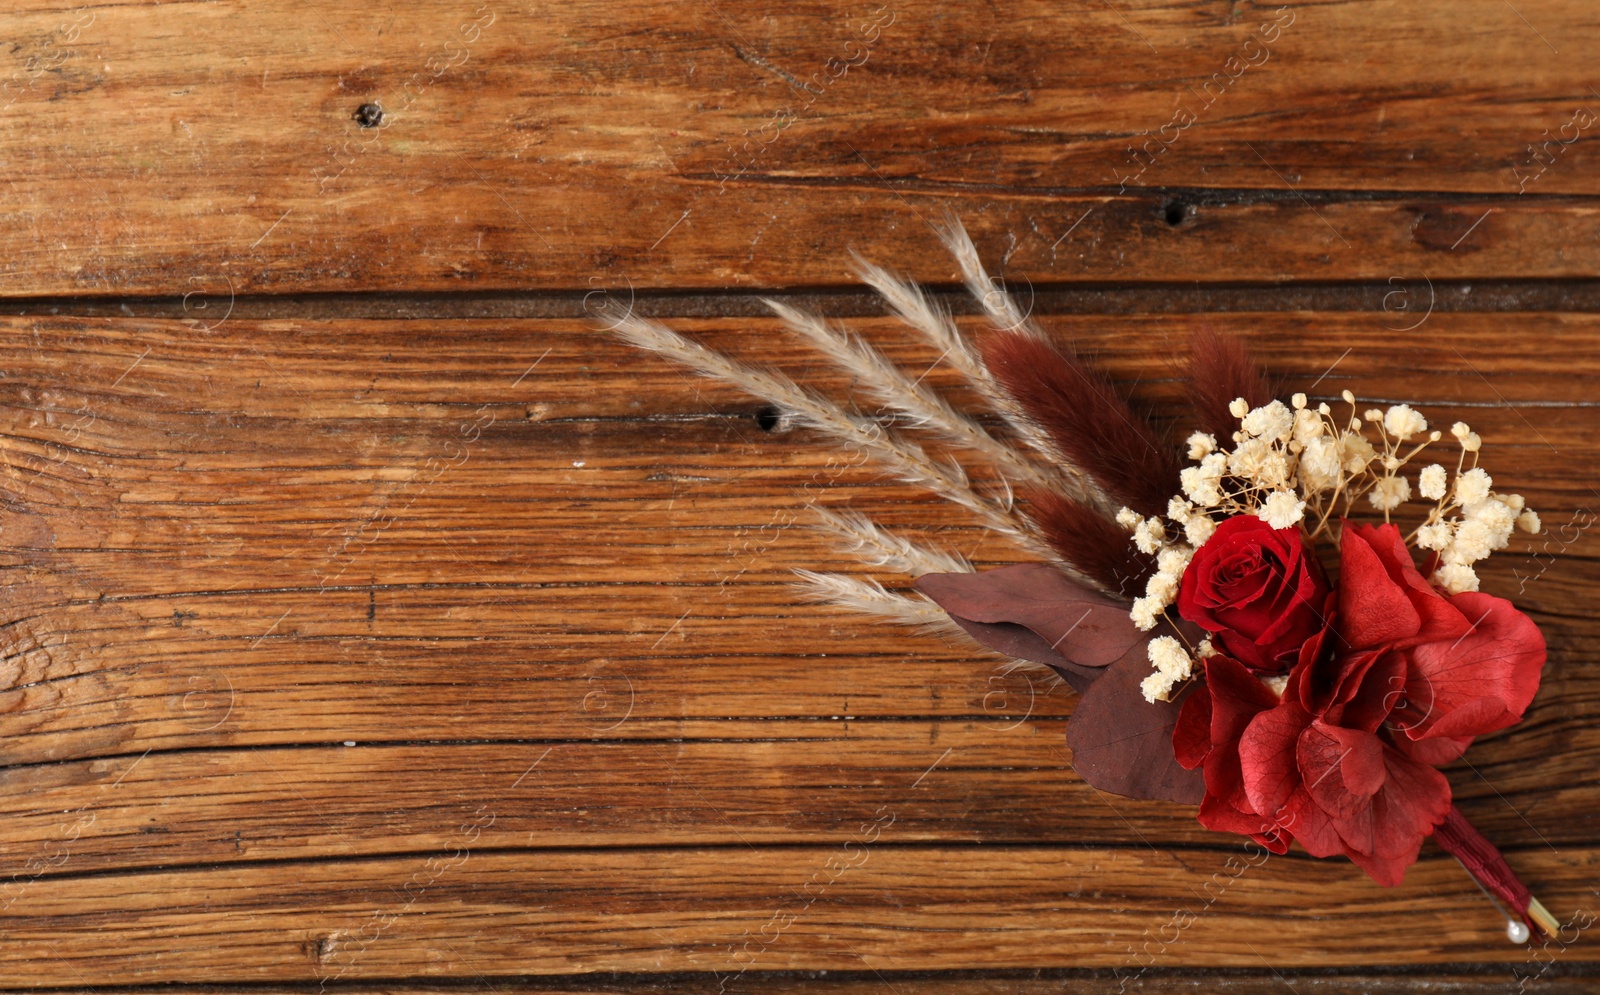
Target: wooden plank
x,y
792,783
1551,976
437,640
1553,979
470,912
197,625
179,146
355,547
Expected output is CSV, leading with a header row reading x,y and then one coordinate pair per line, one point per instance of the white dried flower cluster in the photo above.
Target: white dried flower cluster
x,y
1468,520
1172,559
1295,465
1281,460
1173,666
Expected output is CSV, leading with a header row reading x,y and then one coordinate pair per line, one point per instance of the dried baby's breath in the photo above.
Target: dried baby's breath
x,y
1173,666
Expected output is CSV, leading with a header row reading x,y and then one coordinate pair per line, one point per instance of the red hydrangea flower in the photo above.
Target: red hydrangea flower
x,y
1400,682
1258,590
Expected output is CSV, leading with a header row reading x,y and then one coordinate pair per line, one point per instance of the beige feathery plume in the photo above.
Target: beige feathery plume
x,y
904,457
1004,313
914,308
875,546
1001,308
890,385
871,598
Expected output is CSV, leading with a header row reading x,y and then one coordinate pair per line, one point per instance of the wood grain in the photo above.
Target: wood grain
x,y
169,147
374,622
1553,978
570,912
292,602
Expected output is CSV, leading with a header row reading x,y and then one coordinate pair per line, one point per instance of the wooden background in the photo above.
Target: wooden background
x,y
372,621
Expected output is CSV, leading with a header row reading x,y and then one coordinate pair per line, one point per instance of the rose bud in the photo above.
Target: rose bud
x,y
1259,591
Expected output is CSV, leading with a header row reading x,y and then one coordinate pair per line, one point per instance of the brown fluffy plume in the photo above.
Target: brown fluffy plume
x,y
1084,538
1086,418
1219,371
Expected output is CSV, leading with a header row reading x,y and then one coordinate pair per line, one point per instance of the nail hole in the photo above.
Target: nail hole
x,y
768,419
1178,212
369,115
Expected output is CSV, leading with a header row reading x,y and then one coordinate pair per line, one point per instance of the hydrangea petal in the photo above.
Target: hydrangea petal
x,y
1387,871
1381,690
1267,755
1216,814
1342,768
1413,800
1237,696
1482,681
1191,737
1373,609
1437,618
1435,752
1311,826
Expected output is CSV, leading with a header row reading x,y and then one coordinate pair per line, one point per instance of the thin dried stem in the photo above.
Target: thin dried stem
x,y
878,547
1541,915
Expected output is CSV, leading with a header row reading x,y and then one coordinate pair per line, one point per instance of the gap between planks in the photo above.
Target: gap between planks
x,y
1397,296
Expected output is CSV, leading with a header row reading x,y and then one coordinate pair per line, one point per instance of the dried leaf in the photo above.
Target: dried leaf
x,y
1120,742
1035,612
1123,744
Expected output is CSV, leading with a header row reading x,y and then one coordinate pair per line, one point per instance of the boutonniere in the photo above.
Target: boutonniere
x,y
1278,622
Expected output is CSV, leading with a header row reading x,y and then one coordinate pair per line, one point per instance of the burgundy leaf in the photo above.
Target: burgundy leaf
x,y
1034,612
1123,744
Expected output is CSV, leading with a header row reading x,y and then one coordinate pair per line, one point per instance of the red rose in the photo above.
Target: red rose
x,y
1344,761
1259,591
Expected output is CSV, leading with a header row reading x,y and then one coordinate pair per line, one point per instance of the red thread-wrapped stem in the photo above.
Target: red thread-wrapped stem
x,y
1483,861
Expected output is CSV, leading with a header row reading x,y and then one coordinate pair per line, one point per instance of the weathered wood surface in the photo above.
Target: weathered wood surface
x,y
402,648
153,147
822,907
1550,979
372,625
